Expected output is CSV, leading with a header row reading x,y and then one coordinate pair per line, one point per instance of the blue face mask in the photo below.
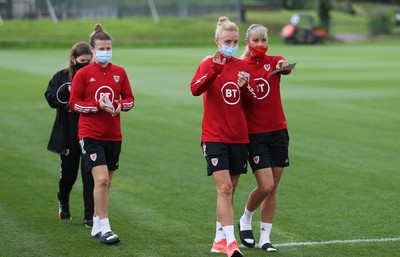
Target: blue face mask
x,y
103,56
228,51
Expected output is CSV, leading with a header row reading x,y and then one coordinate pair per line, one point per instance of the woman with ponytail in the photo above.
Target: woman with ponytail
x,y
268,135
99,93
223,82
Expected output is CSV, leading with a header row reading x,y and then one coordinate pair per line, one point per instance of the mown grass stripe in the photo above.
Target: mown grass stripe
x,y
350,241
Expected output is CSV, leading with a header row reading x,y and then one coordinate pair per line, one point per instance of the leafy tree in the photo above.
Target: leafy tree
x,y
324,8
295,4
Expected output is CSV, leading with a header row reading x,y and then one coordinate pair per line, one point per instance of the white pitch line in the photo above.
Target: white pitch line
x,y
340,242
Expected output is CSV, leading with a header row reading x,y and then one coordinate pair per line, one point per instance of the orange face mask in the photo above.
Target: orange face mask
x,y
258,51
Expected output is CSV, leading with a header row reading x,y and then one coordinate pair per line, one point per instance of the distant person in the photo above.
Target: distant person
x,y
99,93
269,138
64,136
222,81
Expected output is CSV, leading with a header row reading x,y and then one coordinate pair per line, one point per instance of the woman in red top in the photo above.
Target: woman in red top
x,y
269,139
222,82
99,92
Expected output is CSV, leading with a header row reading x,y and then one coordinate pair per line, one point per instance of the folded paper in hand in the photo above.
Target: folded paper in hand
x,y
108,102
289,67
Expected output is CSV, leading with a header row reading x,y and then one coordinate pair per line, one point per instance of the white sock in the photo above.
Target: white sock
x,y
105,225
245,223
265,230
219,233
245,220
229,234
96,226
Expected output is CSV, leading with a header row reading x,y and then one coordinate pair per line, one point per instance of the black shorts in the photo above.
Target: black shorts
x,y
269,149
98,152
223,156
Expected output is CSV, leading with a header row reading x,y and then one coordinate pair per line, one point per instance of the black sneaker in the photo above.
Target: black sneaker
x,y
63,211
88,221
109,238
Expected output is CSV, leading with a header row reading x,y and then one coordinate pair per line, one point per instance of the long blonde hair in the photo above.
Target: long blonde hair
x,y
255,30
225,24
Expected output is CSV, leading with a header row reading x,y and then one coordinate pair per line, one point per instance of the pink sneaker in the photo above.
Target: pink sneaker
x,y
233,250
220,247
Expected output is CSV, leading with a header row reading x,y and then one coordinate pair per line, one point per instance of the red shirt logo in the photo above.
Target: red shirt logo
x,y
104,90
230,93
263,88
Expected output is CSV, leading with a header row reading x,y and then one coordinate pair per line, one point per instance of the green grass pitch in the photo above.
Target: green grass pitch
x,y
342,105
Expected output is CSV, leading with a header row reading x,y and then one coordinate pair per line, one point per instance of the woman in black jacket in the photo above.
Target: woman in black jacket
x,y
64,136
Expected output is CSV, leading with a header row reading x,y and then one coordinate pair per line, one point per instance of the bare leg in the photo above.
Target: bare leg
x,y
265,184
268,206
224,197
102,180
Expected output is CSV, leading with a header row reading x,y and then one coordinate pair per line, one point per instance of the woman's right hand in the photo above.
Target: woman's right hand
x,y
217,58
104,106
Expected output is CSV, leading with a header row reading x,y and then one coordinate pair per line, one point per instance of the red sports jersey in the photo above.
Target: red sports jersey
x,y
88,86
267,115
223,120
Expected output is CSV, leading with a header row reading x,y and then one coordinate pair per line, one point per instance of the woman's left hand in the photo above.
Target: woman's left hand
x,y
117,110
242,78
282,64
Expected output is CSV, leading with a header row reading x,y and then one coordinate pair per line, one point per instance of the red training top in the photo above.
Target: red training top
x,y
223,120
88,86
267,115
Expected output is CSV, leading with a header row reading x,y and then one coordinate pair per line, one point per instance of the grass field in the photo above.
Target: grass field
x,y
341,103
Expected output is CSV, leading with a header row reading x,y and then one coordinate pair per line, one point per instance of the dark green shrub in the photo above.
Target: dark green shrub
x,y
379,24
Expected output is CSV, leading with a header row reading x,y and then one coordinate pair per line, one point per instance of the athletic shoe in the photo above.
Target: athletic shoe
x,y
63,211
88,221
246,234
233,250
220,247
109,238
269,248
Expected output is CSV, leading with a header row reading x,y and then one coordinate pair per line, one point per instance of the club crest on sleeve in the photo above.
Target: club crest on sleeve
x,y
256,159
116,78
93,156
214,161
267,67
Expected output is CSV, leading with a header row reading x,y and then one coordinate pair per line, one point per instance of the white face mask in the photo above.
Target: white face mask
x,y
103,56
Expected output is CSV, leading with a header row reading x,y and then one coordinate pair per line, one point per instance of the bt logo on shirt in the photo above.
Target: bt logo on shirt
x,y
107,91
263,88
230,93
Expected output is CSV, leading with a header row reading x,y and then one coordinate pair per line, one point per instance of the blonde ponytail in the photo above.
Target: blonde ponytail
x,y
225,24
256,30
